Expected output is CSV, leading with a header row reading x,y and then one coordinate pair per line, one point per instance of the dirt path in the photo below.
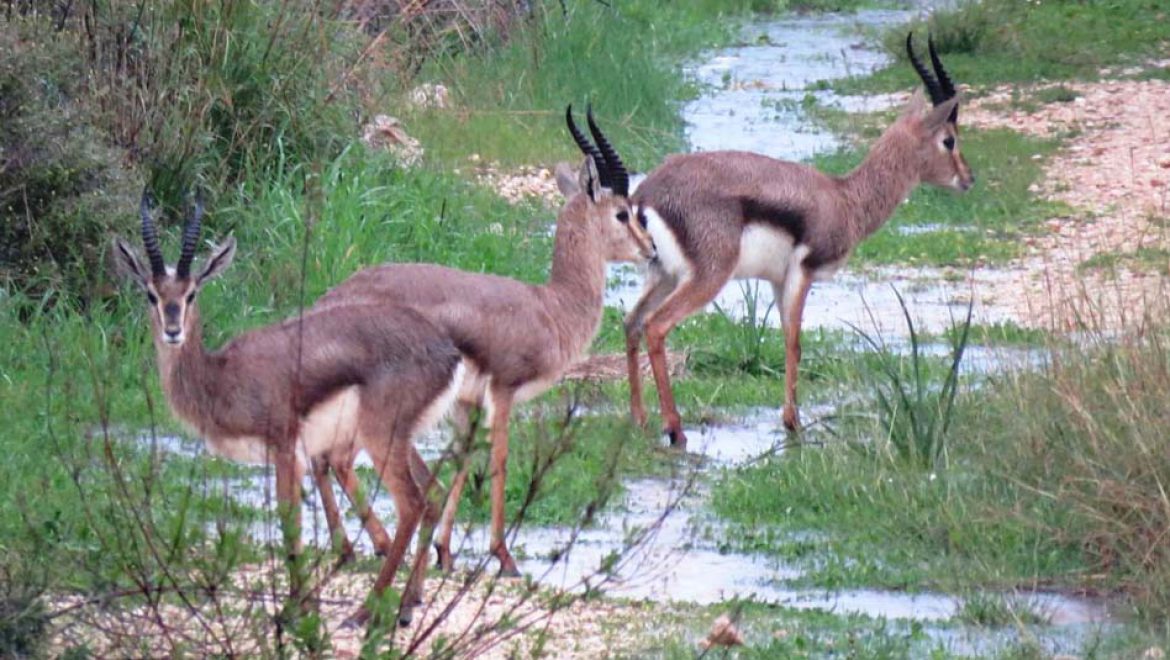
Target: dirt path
x,y
482,618
1115,174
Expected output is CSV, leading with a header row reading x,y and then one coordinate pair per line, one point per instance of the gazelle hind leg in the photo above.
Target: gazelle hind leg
x,y
794,294
658,286
501,409
461,421
392,461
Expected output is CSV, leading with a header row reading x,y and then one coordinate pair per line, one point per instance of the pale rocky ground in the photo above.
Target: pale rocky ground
x,y
1114,173
481,618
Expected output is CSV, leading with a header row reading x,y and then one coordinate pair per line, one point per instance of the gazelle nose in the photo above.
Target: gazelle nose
x,y
172,334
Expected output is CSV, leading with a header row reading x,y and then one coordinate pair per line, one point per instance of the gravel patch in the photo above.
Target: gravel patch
x,y
1115,171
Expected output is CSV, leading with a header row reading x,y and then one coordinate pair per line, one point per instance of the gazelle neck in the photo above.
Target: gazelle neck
x,y
887,175
184,371
576,284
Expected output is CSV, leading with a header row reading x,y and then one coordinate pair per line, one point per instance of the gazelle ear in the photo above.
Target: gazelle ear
x,y
917,106
127,265
220,258
940,114
566,181
588,179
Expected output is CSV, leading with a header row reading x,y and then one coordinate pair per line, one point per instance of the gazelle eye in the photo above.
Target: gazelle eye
x,y
152,298
190,297
623,216
949,142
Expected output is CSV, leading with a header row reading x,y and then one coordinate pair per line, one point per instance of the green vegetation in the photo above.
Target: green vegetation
x,y
1055,476
994,42
1154,259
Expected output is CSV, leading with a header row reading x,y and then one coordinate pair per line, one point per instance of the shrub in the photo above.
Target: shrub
x,y
62,188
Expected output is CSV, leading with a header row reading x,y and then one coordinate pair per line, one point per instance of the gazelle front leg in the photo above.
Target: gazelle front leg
x,y
691,295
501,410
794,294
658,287
348,479
288,506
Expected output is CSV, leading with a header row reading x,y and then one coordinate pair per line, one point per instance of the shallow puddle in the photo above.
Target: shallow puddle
x,y
757,89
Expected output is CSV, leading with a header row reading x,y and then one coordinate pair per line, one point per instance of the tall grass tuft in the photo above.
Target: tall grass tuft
x,y
1088,434
914,409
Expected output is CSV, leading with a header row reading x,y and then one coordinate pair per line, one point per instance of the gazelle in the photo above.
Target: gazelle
x,y
731,214
519,338
313,387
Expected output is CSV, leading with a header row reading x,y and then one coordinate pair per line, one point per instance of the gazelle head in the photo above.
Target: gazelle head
x,y
936,126
171,292
604,184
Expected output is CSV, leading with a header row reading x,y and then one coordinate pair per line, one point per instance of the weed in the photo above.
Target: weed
x,y
992,609
916,413
1148,259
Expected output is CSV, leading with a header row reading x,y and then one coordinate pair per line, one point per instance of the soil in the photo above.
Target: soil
x,y
1114,172
482,618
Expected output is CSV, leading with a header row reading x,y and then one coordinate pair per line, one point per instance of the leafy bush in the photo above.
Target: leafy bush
x,y
62,188
23,620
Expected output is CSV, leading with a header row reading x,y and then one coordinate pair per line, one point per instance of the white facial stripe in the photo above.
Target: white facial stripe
x,y
670,254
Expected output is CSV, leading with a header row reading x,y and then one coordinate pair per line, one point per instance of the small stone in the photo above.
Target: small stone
x,y
723,633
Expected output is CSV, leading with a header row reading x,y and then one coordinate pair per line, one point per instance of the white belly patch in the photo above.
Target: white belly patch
x,y
331,423
245,449
764,253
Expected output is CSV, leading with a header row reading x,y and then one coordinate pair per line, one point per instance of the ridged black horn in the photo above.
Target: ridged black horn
x,y
932,86
150,235
588,149
613,162
190,238
944,80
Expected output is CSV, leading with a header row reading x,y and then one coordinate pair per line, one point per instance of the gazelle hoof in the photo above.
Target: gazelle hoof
x,y
356,620
405,616
444,560
791,420
678,439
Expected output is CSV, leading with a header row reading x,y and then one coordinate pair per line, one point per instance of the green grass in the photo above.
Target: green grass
x,y
982,609
508,103
986,225
1148,259
1004,41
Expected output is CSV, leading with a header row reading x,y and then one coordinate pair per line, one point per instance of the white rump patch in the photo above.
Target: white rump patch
x,y
442,403
670,253
765,253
